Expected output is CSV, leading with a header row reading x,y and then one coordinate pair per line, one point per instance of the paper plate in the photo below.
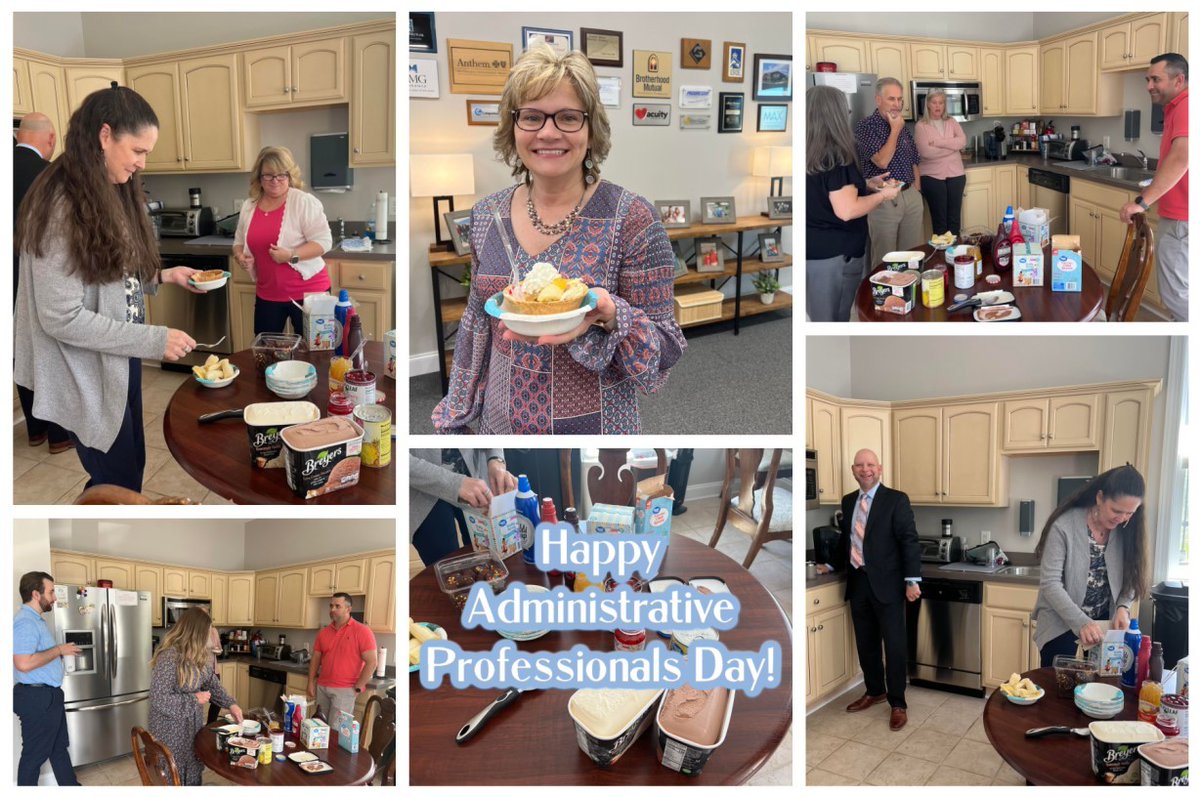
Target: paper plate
x,y
536,326
211,285
1003,312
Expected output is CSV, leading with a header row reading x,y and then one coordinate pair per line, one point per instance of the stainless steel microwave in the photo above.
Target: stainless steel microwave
x,y
173,609
811,493
964,99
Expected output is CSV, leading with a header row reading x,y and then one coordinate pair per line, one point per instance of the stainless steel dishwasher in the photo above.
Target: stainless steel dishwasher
x,y
944,641
204,316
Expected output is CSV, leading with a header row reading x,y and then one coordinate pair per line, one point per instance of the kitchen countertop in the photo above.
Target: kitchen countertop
x,y
932,571
180,246
375,683
1035,161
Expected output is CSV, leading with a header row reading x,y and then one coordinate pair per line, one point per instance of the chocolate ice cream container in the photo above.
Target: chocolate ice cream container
x,y
1164,763
606,734
322,456
686,752
264,422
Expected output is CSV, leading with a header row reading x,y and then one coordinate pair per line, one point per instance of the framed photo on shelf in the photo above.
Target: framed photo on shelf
x,y
603,47
560,41
733,64
422,37
674,212
772,77
680,264
717,210
772,117
732,106
483,112
779,207
458,222
769,249
709,256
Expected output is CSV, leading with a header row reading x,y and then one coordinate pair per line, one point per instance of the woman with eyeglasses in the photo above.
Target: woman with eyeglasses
x,y
1093,559
281,234
554,134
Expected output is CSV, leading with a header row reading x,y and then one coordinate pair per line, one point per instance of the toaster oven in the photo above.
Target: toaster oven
x,y
185,223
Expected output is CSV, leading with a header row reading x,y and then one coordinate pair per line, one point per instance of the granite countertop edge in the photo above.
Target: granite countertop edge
x,y
302,669
1035,161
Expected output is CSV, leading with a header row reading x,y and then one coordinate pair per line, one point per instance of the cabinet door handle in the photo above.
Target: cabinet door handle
x,y
356,150
362,277
816,601
821,627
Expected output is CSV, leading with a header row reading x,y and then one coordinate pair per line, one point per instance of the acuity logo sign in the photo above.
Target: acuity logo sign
x,y
656,114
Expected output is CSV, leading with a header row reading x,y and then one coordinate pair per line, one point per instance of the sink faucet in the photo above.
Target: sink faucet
x,y
1145,160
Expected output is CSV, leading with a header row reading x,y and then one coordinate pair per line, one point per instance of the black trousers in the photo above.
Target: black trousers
x,y
879,633
36,427
437,536
124,463
271,316
43,734
944,198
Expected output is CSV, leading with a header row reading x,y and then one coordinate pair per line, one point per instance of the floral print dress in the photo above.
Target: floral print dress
x,y
176,717
1098,599
587,386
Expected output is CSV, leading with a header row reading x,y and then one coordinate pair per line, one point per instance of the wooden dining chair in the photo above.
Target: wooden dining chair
x,y
156,765
111,494
379,725
753,504
1133,271
613,481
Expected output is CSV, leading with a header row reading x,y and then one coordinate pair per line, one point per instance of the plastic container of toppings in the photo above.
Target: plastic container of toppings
x,y
270,347
322,456
1164,763
264,422
1070,672
682,640
691,724
456,575
1114,746
609,721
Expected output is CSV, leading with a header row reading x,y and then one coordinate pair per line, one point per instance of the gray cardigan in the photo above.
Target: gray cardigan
x,y
428,480
1065,561
72,344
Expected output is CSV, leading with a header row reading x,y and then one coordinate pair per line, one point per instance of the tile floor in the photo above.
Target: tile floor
x,y
40,477
772,567
123,772
943,744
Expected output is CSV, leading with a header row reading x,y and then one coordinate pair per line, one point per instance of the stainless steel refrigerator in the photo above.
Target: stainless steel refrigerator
x,y
858,88
107,686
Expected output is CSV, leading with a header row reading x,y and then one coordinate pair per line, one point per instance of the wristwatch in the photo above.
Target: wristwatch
x,y
295,259
358,690
1140,201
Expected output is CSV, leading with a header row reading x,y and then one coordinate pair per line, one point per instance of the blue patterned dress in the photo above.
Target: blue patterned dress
x,y
587,386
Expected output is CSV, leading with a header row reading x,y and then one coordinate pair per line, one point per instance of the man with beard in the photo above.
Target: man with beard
x,y
37,685
344,654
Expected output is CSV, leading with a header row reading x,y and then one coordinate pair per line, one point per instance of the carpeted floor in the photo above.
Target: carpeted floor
x,y
724,384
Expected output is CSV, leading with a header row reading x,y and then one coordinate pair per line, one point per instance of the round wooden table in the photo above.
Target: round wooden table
x,y
218,454
349,769
532,741
1056,760
1035,304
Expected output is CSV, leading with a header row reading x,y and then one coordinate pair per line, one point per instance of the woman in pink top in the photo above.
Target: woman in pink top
x,y
939,140
281,234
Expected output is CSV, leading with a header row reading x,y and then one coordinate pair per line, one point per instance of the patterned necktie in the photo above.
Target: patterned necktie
x,y
860,531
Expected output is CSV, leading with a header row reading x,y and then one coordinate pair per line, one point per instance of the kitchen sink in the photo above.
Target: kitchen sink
x,y
1020,570
1128,174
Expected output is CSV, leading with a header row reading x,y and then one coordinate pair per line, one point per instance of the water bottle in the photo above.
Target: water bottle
x,y
528,509
1133,641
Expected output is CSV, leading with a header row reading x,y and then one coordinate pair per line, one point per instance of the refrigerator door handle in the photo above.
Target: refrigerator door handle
x,y
111,705
112,630
103,640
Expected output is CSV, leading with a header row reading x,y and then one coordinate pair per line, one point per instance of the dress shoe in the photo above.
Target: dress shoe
x,y
866,701
36,440
58,448
899,719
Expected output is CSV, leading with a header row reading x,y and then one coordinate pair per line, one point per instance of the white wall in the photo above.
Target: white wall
x,y
274,543
658,163
216,544
828,364
990,26
54,33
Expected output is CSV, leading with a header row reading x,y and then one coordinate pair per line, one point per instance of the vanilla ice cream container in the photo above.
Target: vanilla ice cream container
x,y
691,723
1114,747
609,721
264,422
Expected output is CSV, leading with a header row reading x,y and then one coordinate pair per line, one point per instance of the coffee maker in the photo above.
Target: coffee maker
x,y
995,147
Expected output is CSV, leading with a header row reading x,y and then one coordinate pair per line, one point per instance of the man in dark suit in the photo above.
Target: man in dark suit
x,y
34,145
879,552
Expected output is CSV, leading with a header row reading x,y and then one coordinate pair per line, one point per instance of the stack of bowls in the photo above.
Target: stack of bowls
x,y
1099,700
526,636
291,379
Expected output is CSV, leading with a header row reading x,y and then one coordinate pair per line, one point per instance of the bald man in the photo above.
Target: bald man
x,y
31,155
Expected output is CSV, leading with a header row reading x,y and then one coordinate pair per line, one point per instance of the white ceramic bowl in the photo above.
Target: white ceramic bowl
x,y
211,285
290,371
1025,701
291,393
215,383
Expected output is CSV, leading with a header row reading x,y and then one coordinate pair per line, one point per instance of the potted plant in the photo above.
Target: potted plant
x,y
766,284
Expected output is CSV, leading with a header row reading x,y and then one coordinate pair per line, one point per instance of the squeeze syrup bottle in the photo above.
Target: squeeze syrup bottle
x,y
527,508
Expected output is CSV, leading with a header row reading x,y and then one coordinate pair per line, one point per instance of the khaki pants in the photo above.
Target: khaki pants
x,y
1172,257
895,224
330,701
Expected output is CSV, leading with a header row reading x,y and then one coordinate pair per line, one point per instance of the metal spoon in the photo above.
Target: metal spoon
x,y
1034,733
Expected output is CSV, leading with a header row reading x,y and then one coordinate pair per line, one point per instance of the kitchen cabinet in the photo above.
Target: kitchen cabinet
x,y
227,672
371,284
321,579
971,465
1004,191
175,582
266,596
1021,80
890,59
22,101
808,423
1058,422
297,684
118,572
47,90
1023,191
281,598
215,129
826,440
991,75
352,576
75,569
243,685
1007,639
159,85
1180,35
928,61
917,433
380,610
297,75
978,203
83,80
373,100
1071,82
962,62
1053,77
1131,45
865,427
149,578
850,54
199,584
1094,212
220,598
241,312
831,657
240,599
1127,416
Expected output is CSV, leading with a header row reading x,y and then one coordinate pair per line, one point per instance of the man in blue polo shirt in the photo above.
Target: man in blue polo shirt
x,y
37,685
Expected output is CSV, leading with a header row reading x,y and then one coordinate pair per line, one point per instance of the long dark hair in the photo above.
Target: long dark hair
x,y
107,228
1120,482
828,140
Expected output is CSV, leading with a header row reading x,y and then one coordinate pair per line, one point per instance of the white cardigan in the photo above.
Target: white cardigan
x,y
303,221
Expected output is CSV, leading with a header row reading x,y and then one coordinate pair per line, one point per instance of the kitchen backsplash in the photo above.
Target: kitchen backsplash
x,y
304,637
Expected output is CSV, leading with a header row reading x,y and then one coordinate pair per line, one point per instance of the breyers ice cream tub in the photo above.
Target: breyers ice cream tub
x,y
322,456
1164,763
690,725
609,721
265,421
1114,747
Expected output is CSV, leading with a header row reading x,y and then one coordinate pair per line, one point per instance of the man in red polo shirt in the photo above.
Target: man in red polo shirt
x,y
1167,82
344,656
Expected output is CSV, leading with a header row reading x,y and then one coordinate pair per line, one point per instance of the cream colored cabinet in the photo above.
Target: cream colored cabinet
x,y
353,576
850,54
311,73
1127,415
1023,192
77,570
120,573
890,59
241,314
240,599
380,610
1021,80
243,683
214,125
1004,189
159,85
808,53
48,92
373,101
1007,639
962,63
1071,82
199,584
1025,424
83,80
149,578
22,100
220,598
869,428
978,203
266,596
917,471
371,287
826,439
971,471
267,76
1056,422
322,578
1131,45
227,672
808,422
175,582
991,74
292,604
928,61
297,684
1053,77
1095,217
1180,36
831,659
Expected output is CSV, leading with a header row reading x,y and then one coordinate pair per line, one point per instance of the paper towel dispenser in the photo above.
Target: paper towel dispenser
x,y
329,162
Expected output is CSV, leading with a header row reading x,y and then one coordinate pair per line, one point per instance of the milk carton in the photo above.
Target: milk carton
x,y
1035,226
347,730
321,330
652,510
1066,264
1028,265
499,529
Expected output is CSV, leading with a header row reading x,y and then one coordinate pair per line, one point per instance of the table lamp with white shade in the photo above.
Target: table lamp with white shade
x,y
442,177
775,163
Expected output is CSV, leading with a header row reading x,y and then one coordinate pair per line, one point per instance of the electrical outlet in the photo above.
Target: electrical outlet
x,y
985,536
1107,142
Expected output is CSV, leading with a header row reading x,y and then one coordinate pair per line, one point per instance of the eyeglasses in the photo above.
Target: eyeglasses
x,y
568,120
274,178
